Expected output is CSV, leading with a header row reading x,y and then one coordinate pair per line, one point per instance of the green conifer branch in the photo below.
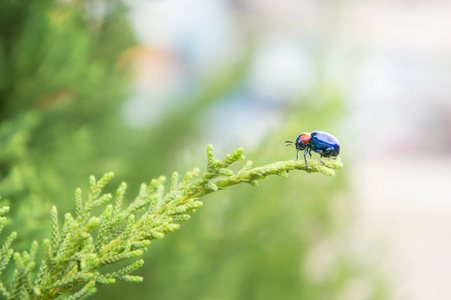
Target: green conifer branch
x,y
73,257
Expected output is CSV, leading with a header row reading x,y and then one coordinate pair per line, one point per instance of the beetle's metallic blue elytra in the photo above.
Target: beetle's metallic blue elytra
x,y
320,142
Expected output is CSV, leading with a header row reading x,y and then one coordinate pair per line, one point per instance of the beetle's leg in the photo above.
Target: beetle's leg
x,y
305,158
321,160
310,153
297,155
328,151
331,153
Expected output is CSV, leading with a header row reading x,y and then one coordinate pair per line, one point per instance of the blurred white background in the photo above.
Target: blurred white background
x,y
392,61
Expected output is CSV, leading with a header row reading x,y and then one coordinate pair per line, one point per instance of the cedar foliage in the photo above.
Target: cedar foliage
x,y
74,255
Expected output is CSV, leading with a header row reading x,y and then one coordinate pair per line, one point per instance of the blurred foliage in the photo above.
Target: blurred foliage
x,y
62,86
60,89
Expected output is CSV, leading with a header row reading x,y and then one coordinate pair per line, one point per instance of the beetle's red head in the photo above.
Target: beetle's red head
x,y
302,141
304,138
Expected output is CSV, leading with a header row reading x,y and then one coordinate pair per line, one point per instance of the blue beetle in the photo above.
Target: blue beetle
x,y
319,141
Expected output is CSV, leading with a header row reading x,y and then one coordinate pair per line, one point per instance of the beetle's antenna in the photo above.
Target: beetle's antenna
x,y
288,143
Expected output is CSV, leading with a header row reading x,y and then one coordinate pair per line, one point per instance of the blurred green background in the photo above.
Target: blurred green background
x,y
73,78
